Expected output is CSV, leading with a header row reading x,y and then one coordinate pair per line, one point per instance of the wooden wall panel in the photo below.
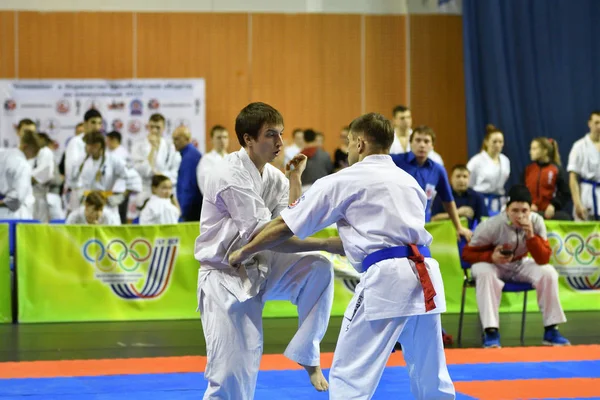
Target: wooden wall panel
x,y
437,82
308,67
75,45
7,44
385,63
211,46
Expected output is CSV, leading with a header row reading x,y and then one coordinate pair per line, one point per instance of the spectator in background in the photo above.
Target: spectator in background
x,y
319,140
340,157
25,124
431,176
490,170
15,185
402,122
41,160
546,180
499,252
318,164
469,203
220,142
75,153
296,147
79,130
93,212
584,172
162,207
55,206
154,156
100,170
188,193
114,146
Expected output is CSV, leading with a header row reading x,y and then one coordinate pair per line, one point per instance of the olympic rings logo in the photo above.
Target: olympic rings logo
x,y
575,248
117,252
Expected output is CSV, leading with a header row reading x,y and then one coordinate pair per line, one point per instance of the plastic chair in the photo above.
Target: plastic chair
x,y
509,287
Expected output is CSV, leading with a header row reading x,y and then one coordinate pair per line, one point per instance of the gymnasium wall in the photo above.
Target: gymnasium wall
x,y
319,69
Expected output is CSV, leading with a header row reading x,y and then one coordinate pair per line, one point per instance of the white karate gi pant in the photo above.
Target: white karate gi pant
x,y
490,279
233,329
363,348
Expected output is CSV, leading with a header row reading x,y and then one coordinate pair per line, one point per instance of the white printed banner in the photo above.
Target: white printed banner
x,y
57,106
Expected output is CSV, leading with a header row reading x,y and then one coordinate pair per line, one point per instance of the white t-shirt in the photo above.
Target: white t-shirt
x,y
375,205
584,160
159,211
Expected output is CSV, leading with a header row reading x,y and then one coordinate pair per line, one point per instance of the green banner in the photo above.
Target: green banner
x,y
86,273
5,292
81,273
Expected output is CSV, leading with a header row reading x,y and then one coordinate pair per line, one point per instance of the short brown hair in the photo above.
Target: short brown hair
x,y
423,130
459,167
376,128
95,199
94,137
253,117
215,129
156,117
32,140
158,179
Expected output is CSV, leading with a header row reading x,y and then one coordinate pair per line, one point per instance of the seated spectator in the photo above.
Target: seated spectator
x,y
546,180
318,164
162,207
431,176
490,170
340,157
469,203
94,212
296,147
584,172
498,252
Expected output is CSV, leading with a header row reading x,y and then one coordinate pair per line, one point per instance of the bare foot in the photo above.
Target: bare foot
x,y
317,378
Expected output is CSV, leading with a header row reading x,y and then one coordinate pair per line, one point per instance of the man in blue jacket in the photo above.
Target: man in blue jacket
x,y
188,194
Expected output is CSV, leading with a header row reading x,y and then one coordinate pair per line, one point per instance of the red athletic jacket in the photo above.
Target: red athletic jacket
x,y
548,184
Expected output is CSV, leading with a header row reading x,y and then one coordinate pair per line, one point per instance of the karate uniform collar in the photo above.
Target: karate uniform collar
x,y
412,159
378,158
250,167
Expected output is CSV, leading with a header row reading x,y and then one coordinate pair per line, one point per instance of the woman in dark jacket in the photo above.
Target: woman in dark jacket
x,y
547,180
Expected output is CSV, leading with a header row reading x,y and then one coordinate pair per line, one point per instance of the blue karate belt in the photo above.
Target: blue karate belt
x,y
417,255
489,198
594,197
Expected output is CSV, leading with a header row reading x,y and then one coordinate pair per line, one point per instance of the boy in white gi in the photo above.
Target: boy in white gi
x,y
584,172
41,160
209,161
101,170
498,252
380,214
240,197
154,155
15,185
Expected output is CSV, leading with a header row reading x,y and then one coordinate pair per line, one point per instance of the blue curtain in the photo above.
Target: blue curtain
x,y
532,68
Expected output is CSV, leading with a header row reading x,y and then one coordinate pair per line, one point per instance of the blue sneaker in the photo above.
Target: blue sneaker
x,y
491,340
554,338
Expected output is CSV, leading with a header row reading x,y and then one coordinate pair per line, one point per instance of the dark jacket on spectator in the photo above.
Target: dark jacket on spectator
x,y
318,165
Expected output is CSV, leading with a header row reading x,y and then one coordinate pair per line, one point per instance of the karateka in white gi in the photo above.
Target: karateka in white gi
x,y
16,197
100,170
240,197
75,154
209,161
380,214
154,155
584,172
41,160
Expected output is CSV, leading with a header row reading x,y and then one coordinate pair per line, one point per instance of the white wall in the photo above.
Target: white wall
x,y
259,6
